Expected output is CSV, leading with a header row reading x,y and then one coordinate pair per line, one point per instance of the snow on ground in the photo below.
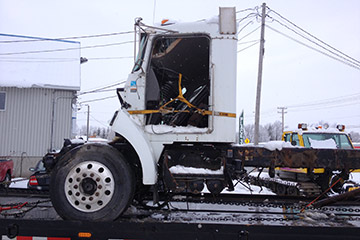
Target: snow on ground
x,y
19,183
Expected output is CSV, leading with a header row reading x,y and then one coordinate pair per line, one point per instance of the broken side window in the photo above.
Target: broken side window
x,y
178,81
140,56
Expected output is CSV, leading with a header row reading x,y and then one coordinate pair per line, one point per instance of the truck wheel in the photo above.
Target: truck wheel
x,y
7,181
92,182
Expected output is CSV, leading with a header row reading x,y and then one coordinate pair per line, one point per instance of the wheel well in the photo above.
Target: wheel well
x,y
123,146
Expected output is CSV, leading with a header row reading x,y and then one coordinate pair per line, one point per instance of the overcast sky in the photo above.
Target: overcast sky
x,y
313,86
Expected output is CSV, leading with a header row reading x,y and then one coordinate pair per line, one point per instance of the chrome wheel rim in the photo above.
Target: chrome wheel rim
x,y
89,186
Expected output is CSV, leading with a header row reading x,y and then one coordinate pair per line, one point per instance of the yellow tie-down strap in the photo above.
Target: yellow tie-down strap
x,y
181,98
166,111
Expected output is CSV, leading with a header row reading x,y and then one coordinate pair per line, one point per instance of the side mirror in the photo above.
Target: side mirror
x,y
32,169
293,143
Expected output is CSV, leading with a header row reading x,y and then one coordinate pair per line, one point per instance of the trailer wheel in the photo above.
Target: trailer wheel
x,y
92,182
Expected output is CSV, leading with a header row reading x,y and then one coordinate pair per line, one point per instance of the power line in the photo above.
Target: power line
x,y
98,99
249,33
101,88
56,60
329,100
98,121
64,38
247,9
249,46
317,44
66,49
247,24
321,108
317,50
110,58
312,35
252,41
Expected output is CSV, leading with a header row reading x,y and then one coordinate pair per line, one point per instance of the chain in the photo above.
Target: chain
x,y
19,209
293,208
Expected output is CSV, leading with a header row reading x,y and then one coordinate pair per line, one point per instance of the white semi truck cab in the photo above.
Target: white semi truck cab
x,y
182,88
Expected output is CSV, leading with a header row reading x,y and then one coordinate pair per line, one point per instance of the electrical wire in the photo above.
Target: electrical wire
x,y
246,25
247,9
317,44
98,99
252,41
315,49
56,60
329,100
246,17
66,49
270,10
243,49
101,88
249,33
63,38
98,121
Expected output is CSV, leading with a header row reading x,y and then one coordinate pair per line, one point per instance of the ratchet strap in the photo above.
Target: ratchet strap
x,y
181,98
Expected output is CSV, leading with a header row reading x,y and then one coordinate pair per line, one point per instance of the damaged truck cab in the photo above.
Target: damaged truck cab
x,y
177,112
175,130
180,70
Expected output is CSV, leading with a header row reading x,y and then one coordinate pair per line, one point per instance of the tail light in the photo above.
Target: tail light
x,y
33,181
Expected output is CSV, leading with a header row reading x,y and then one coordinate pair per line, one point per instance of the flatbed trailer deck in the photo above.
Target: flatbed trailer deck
x,y
160,230
189,219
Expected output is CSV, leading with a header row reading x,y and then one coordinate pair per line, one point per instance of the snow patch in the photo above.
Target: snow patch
x,y
178,169
272,145
164,129
19,183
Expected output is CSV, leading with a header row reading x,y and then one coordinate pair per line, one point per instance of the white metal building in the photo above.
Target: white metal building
x,y
39,79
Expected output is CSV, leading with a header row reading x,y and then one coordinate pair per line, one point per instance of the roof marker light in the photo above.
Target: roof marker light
x,y
302,126
164,21
341,128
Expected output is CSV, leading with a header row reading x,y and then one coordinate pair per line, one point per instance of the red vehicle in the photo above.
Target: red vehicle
x,y
6,170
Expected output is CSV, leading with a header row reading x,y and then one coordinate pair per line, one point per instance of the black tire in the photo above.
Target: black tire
x,y
280,189
92,182
7,181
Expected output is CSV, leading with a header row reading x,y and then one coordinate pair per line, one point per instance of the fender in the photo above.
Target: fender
x,y
123,125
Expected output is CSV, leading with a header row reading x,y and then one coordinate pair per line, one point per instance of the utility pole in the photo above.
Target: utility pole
x,y
282,111
258,90
241,128
88,123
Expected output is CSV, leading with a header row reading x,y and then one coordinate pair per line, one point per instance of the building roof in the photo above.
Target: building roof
x,y
39,62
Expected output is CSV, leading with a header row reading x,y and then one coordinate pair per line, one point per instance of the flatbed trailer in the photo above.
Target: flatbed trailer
x,y
232,217
160,230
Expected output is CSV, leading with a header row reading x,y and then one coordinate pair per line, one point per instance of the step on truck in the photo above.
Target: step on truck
x,y
175,130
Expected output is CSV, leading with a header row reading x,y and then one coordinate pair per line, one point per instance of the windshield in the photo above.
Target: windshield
x,y
341,140
40,166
